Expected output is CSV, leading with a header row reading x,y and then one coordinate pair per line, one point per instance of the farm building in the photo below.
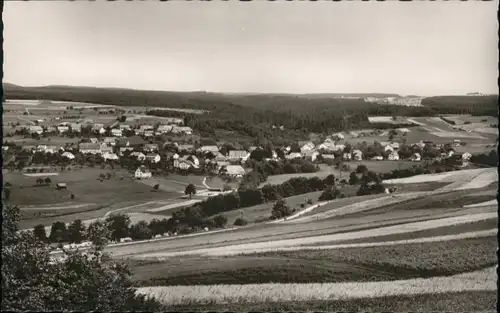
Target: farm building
x,y
105,148
142,172
94,140
123,149
235,170
378,158
309,146
61,186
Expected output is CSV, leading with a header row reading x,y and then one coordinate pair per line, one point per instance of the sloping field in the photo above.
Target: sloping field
x,y
477,281
295,243
475,178
355,206
487,203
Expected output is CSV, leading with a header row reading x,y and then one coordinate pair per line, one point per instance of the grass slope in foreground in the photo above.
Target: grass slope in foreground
x,y
477,301
318,266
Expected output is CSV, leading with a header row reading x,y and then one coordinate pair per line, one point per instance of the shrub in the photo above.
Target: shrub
x,y
240,222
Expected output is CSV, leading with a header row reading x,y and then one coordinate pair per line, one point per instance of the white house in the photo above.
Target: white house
x,y
116,132
346,156
62,129
307,147
142,172
75,127
357,155
393,156
89,148
68,155
153,157
293,155
109,156
416,157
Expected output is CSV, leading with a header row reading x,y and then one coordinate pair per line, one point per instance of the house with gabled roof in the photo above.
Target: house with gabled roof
x,y
212,149
142,172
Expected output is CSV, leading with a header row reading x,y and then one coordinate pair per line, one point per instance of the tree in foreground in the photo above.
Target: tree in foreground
x,y
190,190
80,281
76,232
40,233
353,179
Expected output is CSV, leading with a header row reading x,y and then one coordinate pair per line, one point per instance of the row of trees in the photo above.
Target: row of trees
x,y
196,216
488,159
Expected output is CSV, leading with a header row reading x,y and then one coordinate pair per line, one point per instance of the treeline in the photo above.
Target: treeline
x,y
488,159
480,105
195,217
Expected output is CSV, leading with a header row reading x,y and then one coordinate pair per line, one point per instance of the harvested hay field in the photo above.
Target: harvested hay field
x,y
479,281
323,266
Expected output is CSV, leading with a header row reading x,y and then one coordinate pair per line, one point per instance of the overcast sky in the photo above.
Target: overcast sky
x,y
424,48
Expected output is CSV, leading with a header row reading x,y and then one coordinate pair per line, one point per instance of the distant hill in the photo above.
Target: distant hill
x,y
188,100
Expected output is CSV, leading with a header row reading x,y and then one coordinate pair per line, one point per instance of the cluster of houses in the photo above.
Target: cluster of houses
x,y
173,126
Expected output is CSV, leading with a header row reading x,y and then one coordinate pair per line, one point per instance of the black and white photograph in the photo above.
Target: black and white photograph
x,y
197,156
